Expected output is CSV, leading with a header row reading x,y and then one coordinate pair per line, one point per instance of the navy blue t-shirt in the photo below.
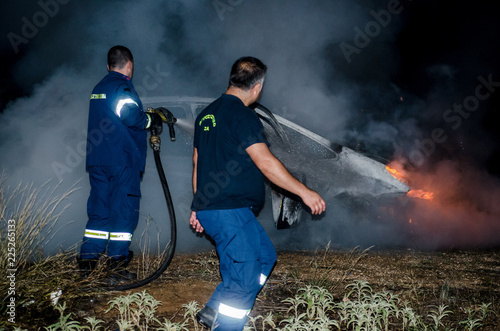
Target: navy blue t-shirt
x,y
227,178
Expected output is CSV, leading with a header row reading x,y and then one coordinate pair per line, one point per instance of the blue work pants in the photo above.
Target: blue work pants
x,y
247,257
113,211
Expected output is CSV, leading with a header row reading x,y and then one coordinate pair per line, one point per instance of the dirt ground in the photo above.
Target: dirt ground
x,y
458,279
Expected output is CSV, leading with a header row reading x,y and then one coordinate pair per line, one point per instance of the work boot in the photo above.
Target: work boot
x,y
86,266
207,317
118,270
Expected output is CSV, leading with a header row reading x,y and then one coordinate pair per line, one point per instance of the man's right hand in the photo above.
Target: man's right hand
x,y
314,201
155,123
276,172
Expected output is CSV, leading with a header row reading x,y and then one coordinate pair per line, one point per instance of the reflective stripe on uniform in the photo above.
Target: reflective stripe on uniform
x,y
122,103
263,279
97,234
98,96
233,312
120,236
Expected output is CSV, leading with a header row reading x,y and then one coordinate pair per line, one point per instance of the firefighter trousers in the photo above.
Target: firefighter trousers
x,y
113,211
247,257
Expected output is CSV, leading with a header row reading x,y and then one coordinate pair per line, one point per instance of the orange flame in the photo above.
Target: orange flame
x,y
401,175
396,174
420,194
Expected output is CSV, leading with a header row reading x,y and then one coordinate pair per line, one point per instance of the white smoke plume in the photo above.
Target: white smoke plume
x,y
333,68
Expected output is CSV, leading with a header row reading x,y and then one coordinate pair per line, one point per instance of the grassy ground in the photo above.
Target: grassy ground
x,y
322,290
463,282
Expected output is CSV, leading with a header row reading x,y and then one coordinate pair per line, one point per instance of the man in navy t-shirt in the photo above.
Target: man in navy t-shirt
x,y
227,176
230,159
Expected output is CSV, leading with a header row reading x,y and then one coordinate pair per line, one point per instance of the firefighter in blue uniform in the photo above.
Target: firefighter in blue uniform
x,y
230,159
116,156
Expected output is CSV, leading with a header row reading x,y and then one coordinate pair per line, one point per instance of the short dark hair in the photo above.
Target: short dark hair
x,y
246,72
118,56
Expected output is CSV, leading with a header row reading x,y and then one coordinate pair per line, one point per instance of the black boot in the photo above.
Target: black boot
x,y
86,266
207,317
118,270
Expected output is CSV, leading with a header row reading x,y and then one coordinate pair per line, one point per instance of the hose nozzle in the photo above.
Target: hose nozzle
x,y
167,117
155,142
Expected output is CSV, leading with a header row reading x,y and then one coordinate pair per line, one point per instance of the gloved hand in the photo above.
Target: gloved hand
x,y
160,111
155,123
167,117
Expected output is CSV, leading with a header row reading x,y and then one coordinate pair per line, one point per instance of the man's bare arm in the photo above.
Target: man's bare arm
x,y
195,168
276,172
193,220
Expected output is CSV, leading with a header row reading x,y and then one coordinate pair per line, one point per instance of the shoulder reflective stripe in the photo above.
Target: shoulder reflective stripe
x,y
96,234
98,96
122,103
233,312
120,236
263,279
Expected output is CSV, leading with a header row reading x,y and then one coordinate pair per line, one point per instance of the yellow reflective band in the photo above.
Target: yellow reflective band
x,y
263,279
98,96
233,312
97,234
122,103
120,236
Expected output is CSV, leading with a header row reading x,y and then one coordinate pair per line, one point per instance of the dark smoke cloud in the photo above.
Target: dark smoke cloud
x,y
385,99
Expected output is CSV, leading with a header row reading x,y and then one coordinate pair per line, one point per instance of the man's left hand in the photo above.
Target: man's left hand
x,y
195,223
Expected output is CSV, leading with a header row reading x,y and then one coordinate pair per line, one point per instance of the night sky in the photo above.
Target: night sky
x,y
417,81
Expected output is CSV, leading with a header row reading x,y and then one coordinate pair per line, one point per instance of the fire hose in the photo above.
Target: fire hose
x,y
155,144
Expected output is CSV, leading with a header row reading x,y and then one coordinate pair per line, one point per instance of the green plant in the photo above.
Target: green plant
x,y
437,314
167,325
64,324
137,309
444,292
473,321
94,324
266,320
192,309
361,309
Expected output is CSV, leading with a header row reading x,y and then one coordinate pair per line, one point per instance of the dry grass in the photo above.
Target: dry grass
x,y
463,281
448,290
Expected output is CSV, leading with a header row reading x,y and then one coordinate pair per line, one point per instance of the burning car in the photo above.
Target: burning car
x,y
331,169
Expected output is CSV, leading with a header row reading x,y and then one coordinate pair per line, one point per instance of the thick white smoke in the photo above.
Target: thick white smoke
x,y
331,69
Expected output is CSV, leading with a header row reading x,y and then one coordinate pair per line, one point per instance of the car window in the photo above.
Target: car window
x,y
179,111
198,109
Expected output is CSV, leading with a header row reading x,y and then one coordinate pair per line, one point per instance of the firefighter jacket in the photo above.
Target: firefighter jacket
x,y
116,134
